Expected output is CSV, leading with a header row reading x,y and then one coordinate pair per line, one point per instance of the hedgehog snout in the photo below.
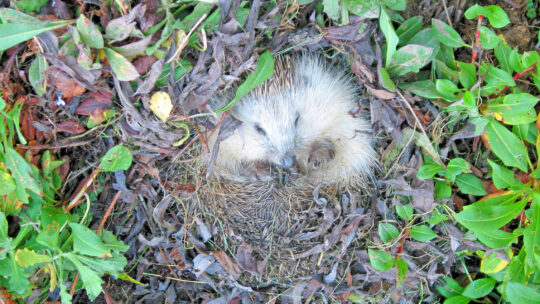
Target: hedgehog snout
x,y
288,162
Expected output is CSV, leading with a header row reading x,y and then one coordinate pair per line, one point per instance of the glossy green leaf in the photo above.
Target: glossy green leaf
x,y
265,69
89,32
503,177
515,61
387,232
390,34
519,293
409,59
447,89
7,182
436,217
455,167
408,29
497,17
467,74
507,146
531,234
12,34
21,171
117,158
442,189
496,76
122,68
502,53
492,213
459,299
422,88
496,238
402,270
332,9
446,34
405,212
422,233
387,82
488,38
380,260
492,264
30,5
470,184
428,170
479,288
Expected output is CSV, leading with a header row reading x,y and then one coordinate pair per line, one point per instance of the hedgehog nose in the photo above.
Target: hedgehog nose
x,y
288,162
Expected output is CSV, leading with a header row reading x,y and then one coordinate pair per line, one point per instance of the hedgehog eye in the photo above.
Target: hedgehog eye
x,y
297,119
260,130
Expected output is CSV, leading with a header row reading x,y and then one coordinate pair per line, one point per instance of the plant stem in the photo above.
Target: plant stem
x,y
476,43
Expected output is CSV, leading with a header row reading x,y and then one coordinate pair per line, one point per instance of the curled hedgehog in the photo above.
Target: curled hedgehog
x,y
301,121
301,117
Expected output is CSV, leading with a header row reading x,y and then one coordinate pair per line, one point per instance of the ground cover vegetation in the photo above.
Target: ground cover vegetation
x,y
102,103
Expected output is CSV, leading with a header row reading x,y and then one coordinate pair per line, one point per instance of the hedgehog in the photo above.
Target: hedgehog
x,y
301,119
300,122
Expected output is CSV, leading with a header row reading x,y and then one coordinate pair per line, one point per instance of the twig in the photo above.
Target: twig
x,y
436,157
75,201
476,43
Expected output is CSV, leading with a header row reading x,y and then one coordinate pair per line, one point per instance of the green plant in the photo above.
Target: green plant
x,y
47,244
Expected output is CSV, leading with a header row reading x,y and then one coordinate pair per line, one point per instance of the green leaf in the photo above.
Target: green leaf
x,y
507,146
531,234
3,229
488,38
503,177
497,17
12,34
502,53
530,58
497,76
389,33
475,11
479,288
405,212
515,61
26,258
447,89
7,182
117,158
527,132
112,265
428,170
85,241
449,288
446,34
422,88
8,15
522,294
36,74
437,217
89,32
387,82
455,167
496,238
30,5
91,280
408,29
467,74
492,213
470,184
442,189
365,9
422,233
387,232
409,59
265,69
492,264
380,260
402,270
121,67
396,5
459,299
21,171
332,9
514,104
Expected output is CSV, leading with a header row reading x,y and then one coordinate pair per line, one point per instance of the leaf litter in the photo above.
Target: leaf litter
x,y
182,252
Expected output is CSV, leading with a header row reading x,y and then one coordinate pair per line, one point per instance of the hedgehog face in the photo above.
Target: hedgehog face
x,y
270,132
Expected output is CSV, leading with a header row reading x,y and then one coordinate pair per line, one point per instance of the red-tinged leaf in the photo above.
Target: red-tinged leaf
x,y
227,263
70,126
122,68
95,104
64,83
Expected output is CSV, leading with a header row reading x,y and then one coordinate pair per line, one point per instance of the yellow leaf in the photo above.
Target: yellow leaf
x,y
161,105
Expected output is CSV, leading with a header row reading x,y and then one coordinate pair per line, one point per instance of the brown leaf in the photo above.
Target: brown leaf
x,y
247,262
381,94
95,104
144,64
70,126
64,83
227,263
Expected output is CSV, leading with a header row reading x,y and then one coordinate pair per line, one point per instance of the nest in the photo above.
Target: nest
x,y
286,225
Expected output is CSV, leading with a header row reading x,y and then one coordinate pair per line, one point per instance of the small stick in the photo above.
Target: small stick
x,y
476,40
